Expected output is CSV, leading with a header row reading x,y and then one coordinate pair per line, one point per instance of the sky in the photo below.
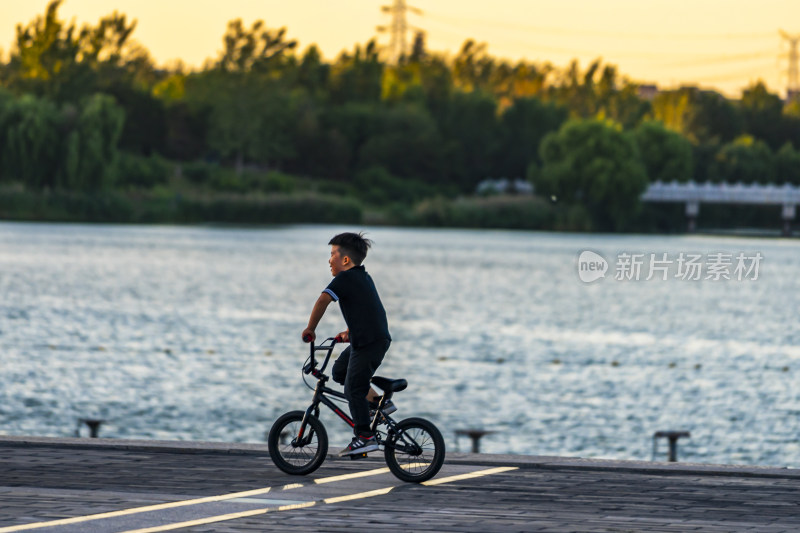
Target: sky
x,y
720,44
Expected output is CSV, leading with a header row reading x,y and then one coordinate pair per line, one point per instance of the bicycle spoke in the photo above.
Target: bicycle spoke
x,y
416,464
299,455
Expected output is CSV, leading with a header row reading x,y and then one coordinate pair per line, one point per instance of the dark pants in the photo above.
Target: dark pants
x,y
354,369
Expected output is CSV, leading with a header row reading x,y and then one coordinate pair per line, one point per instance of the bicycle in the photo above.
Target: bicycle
x,y
298,442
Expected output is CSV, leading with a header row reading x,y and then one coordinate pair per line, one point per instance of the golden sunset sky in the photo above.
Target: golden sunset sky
x,y
722,44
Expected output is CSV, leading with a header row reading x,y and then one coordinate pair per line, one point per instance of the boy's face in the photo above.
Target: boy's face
x,y
338,262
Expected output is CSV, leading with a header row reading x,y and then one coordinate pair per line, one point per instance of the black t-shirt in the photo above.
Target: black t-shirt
x,y
361,306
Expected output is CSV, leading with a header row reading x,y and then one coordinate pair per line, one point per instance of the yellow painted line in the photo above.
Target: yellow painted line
x,y
256,512
471,475
337,499
359,496
220,518
354,475
182,503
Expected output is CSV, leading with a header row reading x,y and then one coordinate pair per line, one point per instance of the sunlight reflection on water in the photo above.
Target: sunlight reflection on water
x,y
193,333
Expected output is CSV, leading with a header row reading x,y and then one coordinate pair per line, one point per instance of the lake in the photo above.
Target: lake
x,y
193,333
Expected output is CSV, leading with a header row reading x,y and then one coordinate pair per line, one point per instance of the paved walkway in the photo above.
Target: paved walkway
x,y
86,485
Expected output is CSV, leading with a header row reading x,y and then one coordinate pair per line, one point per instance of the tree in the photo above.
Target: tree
x,y
746,159
257,49
594,164
666,155
357,77
787,165
312,73
406,143
249,119
473,67
702,116
523,125
65,63
30,135
99,129
762,113
470,127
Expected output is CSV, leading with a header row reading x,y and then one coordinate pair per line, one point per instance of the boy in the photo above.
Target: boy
x,y
367,331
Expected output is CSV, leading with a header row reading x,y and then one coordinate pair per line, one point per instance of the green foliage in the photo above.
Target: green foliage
x,y
357,77
274,209
198,172
376,186
702,116
247,181
404,140
62,62
257,49
762,113
522,127
516,212
74,147
116,206
744,160
143,172
594,164
30,141
471,126
99,128
83,108
249,118
787,165
666,155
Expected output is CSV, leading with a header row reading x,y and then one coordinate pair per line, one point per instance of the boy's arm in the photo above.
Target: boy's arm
x,y
320,306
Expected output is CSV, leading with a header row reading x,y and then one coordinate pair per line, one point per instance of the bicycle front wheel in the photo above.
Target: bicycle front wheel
x,y
295,453
414,450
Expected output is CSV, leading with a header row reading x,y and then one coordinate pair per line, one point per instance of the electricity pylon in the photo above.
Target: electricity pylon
x,y
398,46
793,86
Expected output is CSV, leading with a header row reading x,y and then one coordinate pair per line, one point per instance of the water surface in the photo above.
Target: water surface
x,y
193,333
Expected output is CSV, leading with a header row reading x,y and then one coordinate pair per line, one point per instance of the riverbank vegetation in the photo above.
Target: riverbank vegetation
x,y
92,130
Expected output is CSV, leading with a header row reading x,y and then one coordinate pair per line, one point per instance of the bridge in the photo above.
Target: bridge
x,y
693,194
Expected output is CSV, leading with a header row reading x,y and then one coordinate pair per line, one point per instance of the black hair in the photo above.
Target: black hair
x,y
353,245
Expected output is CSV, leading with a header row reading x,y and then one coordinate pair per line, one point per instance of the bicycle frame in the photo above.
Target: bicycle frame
x,y
320,397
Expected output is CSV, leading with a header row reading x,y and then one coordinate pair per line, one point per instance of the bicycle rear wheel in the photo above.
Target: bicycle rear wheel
x,y
414,450
295,454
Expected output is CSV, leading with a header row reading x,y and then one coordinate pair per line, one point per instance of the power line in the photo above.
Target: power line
x,y
593,33
722,59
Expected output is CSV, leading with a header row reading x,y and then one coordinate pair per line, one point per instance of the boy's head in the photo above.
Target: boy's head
x,y
348,250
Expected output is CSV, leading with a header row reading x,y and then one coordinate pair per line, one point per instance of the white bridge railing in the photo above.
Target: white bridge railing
x,y
693,194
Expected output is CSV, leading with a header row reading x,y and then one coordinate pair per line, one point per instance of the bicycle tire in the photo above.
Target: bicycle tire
x,y
409,464
297,460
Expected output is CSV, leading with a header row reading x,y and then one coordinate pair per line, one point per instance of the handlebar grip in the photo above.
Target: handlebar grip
x,y
307,338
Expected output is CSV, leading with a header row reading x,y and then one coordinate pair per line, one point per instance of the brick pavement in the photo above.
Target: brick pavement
x,y
50,479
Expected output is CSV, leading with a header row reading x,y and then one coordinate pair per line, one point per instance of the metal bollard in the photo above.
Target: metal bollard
x,y
475,435
672,437
92,423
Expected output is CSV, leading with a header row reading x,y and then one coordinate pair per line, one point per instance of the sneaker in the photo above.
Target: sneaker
x,y
361,445
388,408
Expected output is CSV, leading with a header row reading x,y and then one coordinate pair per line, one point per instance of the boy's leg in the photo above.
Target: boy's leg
x,y
362,365
339,370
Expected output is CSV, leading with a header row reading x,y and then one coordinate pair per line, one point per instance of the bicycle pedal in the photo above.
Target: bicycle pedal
x,y
356,456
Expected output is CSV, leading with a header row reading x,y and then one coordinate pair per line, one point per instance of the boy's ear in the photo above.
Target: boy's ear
x,y
346,259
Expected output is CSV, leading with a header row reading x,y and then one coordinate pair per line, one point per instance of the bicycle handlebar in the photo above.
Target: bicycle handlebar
x,y
312,364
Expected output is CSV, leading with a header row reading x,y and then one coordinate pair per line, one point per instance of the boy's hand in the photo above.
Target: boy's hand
x,y
309,335
343,337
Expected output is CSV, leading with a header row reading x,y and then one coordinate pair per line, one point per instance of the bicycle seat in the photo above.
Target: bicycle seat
x,y
390,385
